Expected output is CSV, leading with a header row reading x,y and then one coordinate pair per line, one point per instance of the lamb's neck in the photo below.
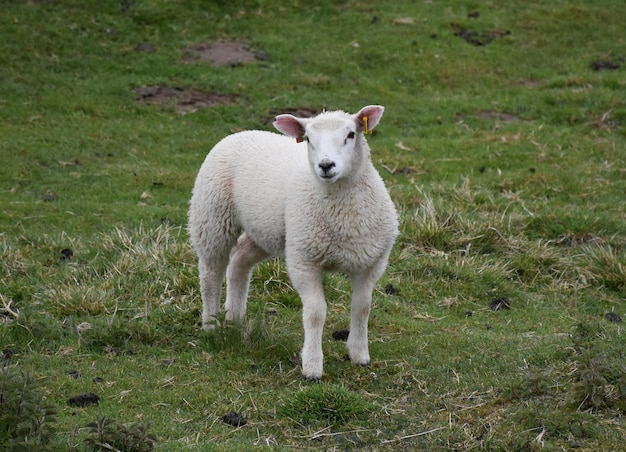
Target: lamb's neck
x,y
355,185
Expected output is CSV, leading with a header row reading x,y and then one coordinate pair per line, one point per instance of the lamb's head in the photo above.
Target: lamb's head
x,y
335,139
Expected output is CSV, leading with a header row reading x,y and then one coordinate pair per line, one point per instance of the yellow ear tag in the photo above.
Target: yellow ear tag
x,y
366,130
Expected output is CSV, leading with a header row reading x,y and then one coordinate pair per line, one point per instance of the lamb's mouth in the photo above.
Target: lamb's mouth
x,y
328,177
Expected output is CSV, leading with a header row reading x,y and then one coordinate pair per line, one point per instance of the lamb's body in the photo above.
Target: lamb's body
x,y
263,192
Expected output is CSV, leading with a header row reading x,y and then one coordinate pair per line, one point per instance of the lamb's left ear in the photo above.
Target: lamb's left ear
x,y
373,113
290,125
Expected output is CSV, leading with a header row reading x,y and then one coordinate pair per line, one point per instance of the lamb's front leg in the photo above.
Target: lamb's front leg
x,y
308,283
362,286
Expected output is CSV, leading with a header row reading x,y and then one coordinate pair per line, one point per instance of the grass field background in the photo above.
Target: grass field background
x,y
498,325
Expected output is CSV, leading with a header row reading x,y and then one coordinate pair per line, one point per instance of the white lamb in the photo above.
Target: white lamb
x,y
321,205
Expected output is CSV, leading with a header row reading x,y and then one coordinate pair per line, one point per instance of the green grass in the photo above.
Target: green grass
x,y
506,162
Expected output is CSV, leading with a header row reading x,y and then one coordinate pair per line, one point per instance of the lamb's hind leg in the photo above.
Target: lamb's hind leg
x,y
244,257
211,277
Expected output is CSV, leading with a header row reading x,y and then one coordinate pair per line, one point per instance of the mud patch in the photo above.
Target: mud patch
x,y
501,303
235,419
478,38
489,115
183,100
341,335
613,317
222,53
84,400
529,83
605,65
500,116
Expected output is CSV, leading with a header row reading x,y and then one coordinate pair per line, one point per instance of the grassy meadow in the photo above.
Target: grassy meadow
x,y
498,324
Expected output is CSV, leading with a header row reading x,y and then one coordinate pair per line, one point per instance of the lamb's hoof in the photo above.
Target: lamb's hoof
x,y
312,376
312,379
363,363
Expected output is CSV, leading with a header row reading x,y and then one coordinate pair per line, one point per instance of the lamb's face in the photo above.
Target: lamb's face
x,y
337,148
333,153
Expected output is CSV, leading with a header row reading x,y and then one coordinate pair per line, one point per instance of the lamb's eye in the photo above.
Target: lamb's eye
x,y
350,135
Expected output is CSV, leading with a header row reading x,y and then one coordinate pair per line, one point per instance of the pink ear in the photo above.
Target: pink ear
x,y
290,125
373,114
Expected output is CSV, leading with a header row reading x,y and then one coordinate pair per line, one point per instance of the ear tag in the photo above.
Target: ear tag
x,y
366,130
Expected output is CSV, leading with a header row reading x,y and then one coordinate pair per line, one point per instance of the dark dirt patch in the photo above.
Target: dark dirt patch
x,y
341,335
50,196
222,53
7,313
295,360
500,303
606,122
497,116
183,100
391,290
529,83
604,65
234,419
478,38
6,355
613,317
84,400
490,115
145,47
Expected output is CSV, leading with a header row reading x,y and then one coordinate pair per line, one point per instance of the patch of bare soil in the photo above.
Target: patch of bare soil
x,y
222,53
489,115
529,83
183,100
497,116
478,38
606,65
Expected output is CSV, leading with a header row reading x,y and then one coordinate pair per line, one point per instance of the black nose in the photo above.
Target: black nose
x,y
326,166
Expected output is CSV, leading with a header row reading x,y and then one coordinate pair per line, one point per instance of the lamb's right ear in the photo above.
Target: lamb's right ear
x,y
290,126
